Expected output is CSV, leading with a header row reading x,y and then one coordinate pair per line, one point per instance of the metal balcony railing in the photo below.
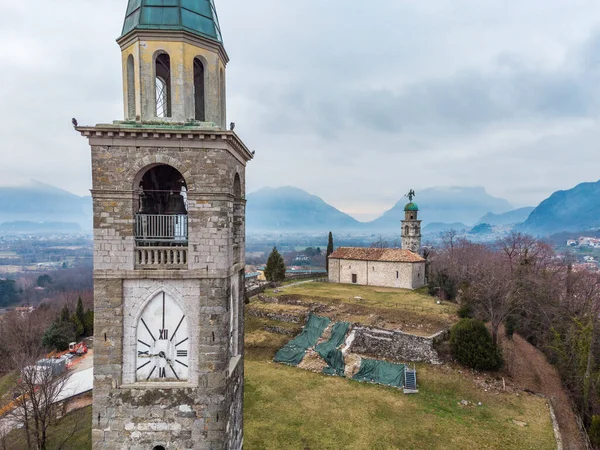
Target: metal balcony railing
x,y
161,228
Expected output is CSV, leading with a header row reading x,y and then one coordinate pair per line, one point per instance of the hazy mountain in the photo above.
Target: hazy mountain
x,y
290,209
508,218
24,227
438,227
572,210
38,202
446,205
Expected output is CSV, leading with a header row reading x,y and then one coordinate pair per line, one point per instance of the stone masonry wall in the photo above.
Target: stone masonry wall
x,y
396,345
378,273
204,412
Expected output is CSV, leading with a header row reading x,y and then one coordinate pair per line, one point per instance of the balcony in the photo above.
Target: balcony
x,y
166,258
157,229
161,241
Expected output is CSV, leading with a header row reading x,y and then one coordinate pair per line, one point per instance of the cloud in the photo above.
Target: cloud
x,y
354,101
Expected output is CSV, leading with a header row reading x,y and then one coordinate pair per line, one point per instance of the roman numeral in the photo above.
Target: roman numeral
x,y
142,353
163,334
162,372
182,353
150,374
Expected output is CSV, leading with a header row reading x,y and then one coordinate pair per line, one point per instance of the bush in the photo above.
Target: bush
x,y
510,326
465,311
594,431
472,346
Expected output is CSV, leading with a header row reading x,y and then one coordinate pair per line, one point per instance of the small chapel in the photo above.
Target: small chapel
x,y
387,267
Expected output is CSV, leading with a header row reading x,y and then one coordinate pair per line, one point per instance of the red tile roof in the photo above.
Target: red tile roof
x,y
376,254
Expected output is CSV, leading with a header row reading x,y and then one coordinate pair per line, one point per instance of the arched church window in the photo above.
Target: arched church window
x,y
130,88
163,85
199,90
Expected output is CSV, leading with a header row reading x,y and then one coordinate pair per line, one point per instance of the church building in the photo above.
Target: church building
x,y
169,237
386,267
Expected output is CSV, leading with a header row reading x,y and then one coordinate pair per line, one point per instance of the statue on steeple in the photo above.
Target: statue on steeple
x,y
411,194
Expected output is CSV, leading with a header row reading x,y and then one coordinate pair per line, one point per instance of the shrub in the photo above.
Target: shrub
x,y
472,346
465,311
59,335
510,326
594,431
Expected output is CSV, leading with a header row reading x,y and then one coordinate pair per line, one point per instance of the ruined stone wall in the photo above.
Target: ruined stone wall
x,y
396,345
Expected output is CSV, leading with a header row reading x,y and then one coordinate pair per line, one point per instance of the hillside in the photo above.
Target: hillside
x,y
289,209
446,205
38,202
571,210
508,218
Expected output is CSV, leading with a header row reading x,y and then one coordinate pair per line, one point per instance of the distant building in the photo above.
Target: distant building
x,y
388,267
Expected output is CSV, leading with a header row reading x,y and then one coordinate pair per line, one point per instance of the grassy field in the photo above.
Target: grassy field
x,y
80,420
410,311
290,408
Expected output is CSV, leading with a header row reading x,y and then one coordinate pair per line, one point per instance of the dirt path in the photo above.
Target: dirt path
x,y
529,369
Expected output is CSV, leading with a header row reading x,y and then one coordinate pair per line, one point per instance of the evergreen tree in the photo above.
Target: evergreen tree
x,y
275,269
88,323
80,312
65,315
79,329
59,335
329,249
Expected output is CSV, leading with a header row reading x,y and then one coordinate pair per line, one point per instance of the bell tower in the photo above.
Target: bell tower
x,y
168,187
411,226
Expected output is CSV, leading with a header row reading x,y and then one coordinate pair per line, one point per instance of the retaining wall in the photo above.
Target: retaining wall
x,y
396,345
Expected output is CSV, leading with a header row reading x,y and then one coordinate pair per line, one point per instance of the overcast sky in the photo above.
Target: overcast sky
x,y
354,101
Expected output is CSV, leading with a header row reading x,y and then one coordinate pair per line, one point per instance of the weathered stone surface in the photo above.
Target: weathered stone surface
x,y
396,345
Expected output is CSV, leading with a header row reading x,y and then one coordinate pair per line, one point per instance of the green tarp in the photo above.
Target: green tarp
x,y
381,372
294,351
329,350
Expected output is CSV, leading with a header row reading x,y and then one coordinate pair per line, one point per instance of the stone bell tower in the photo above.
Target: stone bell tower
x,y
169,234
411,226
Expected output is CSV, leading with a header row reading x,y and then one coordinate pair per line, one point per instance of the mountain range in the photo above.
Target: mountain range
x,y
39,202
575,209
289,209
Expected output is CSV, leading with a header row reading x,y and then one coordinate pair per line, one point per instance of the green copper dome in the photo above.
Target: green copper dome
x,y
196,16
411,207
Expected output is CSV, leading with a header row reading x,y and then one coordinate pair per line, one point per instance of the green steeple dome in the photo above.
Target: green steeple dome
x,y
196,16
411,207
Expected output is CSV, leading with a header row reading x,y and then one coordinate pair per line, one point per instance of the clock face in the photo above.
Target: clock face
x,y
162,342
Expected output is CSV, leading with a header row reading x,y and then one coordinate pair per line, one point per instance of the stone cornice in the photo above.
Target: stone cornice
x,y
144,135
173,36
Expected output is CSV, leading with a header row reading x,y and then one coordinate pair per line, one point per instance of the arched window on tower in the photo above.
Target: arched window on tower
x,y
163,85
199,90
130,88
406,230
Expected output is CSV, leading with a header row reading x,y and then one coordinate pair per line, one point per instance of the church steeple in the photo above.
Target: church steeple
x,y
411,226
173,63
195,16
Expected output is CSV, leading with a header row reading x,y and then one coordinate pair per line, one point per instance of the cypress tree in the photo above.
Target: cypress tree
x,y
275,269
79,311
329,249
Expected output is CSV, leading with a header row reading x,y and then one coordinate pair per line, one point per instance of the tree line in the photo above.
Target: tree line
x,y
521,284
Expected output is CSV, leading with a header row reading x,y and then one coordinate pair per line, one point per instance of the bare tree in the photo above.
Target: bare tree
x,y
380,242
37,395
